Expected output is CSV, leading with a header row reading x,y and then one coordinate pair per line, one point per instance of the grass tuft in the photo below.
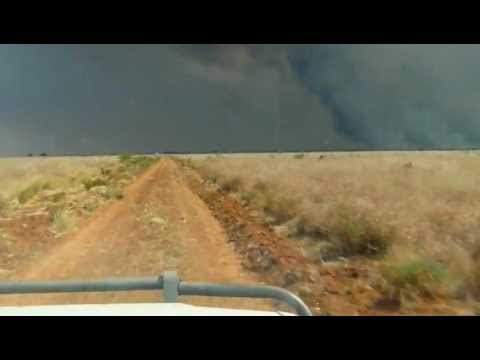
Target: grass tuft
x,y
4,205
30,191
113,192
62,222
409,278
230,184
92,182
357,234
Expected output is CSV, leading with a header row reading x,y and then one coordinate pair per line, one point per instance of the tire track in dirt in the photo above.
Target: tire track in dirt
x,y
160,224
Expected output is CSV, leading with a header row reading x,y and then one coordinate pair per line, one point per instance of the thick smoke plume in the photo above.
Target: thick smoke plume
x,y
145,98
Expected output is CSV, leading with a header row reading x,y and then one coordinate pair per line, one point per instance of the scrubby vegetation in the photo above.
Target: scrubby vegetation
x,y
93,182
468,278
84,184
62,222
42,201
4,205
348,232
136,163
281,207
418,277
355,234
113,192
230,184
366,204
30,191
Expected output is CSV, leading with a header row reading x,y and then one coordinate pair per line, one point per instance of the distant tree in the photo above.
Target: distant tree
x,y
30,155
43,154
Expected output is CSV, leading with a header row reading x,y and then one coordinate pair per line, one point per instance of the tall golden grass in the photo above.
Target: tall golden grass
x,y
431,200
16,174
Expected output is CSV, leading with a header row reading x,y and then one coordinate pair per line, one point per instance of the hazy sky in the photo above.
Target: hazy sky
x,y
67,99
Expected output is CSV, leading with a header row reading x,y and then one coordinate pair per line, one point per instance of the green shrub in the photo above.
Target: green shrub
x,y
136,163
90,206
124,158
62,222
58,197
114,192
233,184
32,190
89,183
142,162
299,156
324,251
415,276
280,207
211,179
358,235
188,163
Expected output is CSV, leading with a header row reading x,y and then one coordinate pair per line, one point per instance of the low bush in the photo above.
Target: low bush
x,y
471,279
356,234
114,192
89,183
29,192
4,205
282,208
124,158
136,163
230,184
62,222
414,277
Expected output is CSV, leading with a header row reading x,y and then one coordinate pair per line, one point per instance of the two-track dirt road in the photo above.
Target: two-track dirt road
x,y
159,224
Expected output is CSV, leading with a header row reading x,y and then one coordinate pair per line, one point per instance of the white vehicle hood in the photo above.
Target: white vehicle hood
x,y
148,309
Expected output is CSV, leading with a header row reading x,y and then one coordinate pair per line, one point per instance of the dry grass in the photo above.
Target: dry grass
x,y
52,183
4,206
357,234
114,192
427,202
230,184
18,174
30,191
63,222
416,277
282,208
48,184
21,179
43,199
92,182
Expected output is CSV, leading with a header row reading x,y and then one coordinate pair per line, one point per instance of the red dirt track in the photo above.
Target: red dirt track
x,y
160,224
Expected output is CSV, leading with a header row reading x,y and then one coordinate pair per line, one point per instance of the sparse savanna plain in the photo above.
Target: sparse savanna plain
x,y
362,233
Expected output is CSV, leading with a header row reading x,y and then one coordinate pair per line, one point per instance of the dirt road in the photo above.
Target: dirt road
x,y
159,224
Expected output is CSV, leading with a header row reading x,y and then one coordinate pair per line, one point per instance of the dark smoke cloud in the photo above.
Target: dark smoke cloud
x,y
377,96
397,96
142,98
